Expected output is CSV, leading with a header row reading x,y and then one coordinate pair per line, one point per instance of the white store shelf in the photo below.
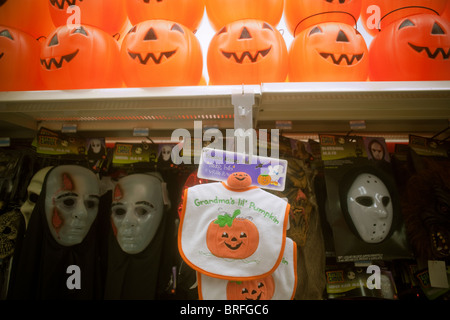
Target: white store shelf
x,y
312,107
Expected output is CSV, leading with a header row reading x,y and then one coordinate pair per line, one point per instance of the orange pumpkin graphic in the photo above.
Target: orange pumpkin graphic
x,y
302,14
161,53
239,180
186,12
30,16
108,15
19,61
329,52
264,179
260,289
391,11
416,48
221,13
80,58
231,237
247,52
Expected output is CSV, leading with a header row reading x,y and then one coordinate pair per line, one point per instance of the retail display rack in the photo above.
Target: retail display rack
x,y
386,108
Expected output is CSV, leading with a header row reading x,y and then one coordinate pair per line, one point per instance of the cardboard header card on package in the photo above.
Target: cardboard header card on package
x,y
266,173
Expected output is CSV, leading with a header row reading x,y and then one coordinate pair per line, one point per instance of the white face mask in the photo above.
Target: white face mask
x,y
166,153
96,145
136,211
33,192
370,207
71,203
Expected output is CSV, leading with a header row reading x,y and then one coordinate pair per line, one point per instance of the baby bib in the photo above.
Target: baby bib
x,y
232,234
280,285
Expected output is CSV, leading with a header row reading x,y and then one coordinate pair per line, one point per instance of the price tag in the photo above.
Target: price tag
x,y
438,274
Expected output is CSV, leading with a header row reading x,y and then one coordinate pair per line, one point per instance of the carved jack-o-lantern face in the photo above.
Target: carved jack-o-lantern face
x,y
19,61
108,15
261,289
80,58
376,18
232,237
239,180
416,48
328,52
186,12
161,53
28,16
301,14
247,52
221,13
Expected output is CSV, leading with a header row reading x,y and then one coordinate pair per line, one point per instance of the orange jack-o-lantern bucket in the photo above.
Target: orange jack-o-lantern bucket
x,y
158,53
30,16
19,61
247,52
378,14
80,58
415,48
329,52
302,14
221,13
187,12
446,13
107,15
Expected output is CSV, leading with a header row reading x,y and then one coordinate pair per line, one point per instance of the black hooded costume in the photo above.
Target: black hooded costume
x,y
136,276
40,265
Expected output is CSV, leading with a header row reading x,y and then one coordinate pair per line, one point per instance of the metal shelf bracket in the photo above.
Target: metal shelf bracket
x,y
243,121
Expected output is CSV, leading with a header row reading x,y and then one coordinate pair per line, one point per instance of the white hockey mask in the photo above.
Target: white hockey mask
x,y
71,203
33,192
370,207
137,211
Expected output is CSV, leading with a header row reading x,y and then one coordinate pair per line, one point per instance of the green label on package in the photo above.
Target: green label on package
x,y
128,153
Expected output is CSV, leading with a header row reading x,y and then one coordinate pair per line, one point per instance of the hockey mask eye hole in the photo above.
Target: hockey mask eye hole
x,y
365,201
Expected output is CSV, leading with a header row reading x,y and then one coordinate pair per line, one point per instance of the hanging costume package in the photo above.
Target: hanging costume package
x,y
33,191
363,205
280,285
16,166
63,239
304,219
51,142
11,230
138,219
347,281
423,176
